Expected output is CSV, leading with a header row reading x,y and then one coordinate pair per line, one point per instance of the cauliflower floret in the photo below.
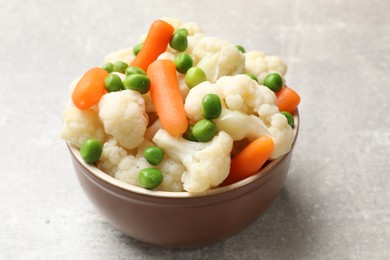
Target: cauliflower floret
x,y
193,102
238,92
192,28
247,104
278,129
282,135
112,154
260,65
218,58
129,168
206,164
123,116
244,94
172,171
125,55
193,41
80,125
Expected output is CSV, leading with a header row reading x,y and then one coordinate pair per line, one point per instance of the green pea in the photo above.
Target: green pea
x,y
154,155
179,42
240,48
150,178
137,82
290,118
113,83
134,70
204,130
273,81
211,106
183,31
91,150
252,76
188,135
183,62
120,67
109,67
137,48
194,76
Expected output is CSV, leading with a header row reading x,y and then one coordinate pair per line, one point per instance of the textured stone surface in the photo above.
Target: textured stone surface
x,y
335,204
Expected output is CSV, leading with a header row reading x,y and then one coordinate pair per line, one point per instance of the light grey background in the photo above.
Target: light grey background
x,y
335,203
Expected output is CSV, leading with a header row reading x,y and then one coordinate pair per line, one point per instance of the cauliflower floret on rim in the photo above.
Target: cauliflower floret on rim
x,y
111,156
260,65
126,167
217,58
124,117
80,125
206,164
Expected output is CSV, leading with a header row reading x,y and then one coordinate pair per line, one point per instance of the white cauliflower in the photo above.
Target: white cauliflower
x,y
193,41
246,104
260,65
193,102
126,167
244,94
125,55
129,168
192,28
123,116
278,129
282,134
80,125
171,169
218,58
206,164
111,156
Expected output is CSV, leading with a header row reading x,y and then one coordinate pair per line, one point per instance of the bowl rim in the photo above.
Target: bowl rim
x,y
95,171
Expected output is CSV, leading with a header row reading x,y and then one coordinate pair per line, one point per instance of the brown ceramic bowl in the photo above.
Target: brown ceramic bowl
x,y
180,219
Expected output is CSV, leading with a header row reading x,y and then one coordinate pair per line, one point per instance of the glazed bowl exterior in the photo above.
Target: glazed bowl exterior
x,y
181,219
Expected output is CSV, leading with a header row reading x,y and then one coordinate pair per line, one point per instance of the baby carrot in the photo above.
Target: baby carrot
x,y
250,160
90,88
287,99
166,97
156,42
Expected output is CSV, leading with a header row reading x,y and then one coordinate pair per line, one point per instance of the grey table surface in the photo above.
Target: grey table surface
x,y
335,203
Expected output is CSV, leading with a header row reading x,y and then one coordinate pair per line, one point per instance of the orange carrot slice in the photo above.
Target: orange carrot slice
x,y
287,99
250,160
90,88
156,42
166,97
